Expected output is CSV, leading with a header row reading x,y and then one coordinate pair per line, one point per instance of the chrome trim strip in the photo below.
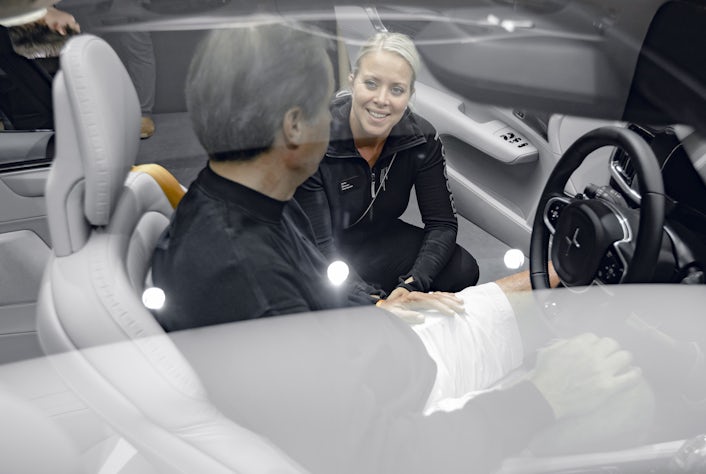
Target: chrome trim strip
x,y
627,238
565,200
618,176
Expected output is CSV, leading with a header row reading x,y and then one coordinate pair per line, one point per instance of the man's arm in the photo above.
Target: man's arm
x,y
571,378
473,439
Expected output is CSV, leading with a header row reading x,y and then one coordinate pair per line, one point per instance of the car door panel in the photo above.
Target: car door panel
x,y
29,184
24,238
494,137
22,258
23,206
498,195
22,148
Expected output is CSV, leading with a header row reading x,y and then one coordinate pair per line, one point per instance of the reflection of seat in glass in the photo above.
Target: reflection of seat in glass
x,y
104,221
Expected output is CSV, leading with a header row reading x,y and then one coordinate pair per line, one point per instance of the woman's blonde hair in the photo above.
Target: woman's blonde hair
x,y
397,43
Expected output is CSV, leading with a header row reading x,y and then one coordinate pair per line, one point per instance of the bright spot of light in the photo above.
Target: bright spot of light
x,y
337,272
514,259
508,26
153,298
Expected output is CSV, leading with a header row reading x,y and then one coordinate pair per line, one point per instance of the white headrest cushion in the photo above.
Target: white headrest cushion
x,y
106,115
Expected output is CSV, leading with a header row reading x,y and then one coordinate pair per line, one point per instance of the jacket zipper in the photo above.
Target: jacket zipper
x,y
372,191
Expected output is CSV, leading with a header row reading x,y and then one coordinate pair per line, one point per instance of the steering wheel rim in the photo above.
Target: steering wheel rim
x,y
649,234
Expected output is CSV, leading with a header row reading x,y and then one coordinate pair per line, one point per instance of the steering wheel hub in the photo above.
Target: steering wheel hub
x,y
584,232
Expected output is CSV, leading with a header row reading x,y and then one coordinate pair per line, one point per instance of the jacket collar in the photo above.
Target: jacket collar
x,y
405,134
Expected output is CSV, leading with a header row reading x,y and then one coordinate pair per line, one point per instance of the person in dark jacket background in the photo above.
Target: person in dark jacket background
x,y
379,150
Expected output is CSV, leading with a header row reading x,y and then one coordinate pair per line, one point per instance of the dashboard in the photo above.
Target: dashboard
x,y
683,256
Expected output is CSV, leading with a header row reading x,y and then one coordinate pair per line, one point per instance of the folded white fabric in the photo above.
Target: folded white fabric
x,y
471,350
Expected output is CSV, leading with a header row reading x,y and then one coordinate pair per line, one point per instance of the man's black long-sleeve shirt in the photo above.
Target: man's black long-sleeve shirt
x,y
232,253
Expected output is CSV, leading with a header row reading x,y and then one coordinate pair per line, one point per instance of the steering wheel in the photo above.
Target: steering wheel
x,y
597,239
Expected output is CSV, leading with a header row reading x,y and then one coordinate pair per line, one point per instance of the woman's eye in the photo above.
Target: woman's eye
x,y
371,84
396,90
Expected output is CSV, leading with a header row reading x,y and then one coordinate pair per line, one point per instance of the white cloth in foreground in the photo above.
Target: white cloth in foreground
x,y
473,350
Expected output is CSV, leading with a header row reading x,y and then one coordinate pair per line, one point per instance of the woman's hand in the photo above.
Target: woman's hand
x,y
397,293
60,21
407,306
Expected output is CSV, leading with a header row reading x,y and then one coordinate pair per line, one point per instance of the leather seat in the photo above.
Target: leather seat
x,y
104,221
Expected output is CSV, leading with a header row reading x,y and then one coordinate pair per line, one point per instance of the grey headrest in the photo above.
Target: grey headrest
x,y
97,118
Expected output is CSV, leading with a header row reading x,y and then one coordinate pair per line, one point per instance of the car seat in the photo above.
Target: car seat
x,y
104,220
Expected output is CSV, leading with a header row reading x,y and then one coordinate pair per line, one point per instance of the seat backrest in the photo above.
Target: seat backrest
x,y
104,221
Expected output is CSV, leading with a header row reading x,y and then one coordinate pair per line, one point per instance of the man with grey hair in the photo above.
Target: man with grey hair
x,y
239,247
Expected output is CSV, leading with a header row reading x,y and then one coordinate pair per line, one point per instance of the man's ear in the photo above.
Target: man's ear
x,y
292,127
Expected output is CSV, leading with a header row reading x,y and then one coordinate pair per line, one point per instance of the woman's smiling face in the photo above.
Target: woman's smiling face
x,y
381,88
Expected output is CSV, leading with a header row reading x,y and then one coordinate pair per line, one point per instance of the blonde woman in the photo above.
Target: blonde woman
x,y
379,150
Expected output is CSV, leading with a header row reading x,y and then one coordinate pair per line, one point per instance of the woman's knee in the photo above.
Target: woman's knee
x,y
460,272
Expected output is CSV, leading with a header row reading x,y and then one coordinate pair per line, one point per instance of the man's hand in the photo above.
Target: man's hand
x,y
579,374
60,21
407,305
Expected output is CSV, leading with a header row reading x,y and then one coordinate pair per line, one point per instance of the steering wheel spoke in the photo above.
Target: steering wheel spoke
x,y
552,211
612,267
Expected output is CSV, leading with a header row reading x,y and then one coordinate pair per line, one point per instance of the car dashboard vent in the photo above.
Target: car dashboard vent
x,y
623,166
